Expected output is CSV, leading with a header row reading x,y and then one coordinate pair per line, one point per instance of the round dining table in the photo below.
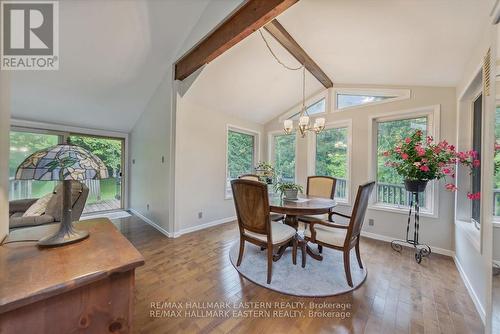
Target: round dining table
x,y
304,205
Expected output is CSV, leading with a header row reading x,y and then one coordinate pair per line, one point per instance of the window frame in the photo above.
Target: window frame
x,y
433,114
228,194
270,149
401,94
311,164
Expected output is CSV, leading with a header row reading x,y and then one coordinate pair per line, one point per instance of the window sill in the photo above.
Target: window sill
x,y
403,211
496,222
471,232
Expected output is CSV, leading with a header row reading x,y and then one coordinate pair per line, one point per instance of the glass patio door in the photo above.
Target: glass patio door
x,y
22,144
106,194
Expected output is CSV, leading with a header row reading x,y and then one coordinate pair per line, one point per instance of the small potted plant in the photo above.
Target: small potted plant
x,y
266,171
419,160
289,190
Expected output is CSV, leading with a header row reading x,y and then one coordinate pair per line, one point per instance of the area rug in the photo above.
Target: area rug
x,y
317,279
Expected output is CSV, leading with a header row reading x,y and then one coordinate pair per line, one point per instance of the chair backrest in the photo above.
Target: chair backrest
x,y
251,177
359,210
79,194
321,186
252,205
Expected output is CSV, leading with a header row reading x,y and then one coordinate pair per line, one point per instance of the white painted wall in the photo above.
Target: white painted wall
x,y
473,248
437,232
201,164
153,136
151,157
4,153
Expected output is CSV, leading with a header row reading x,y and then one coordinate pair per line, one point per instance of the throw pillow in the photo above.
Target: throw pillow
x,y
38,208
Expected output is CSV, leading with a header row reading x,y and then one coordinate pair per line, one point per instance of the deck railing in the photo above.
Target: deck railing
x,y
20,189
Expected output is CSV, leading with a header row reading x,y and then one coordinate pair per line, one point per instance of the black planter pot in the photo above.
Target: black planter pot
x,y
416,186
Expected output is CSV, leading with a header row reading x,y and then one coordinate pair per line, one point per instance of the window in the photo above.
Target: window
x,y
355,97
390,189
331,158
23,144
350,100
283,156
105,194
477,113
241,155
317,107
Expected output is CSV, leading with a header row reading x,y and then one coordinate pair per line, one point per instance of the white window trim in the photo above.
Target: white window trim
x,y
401,94
311,157
270,148
433,114
309,101
256,151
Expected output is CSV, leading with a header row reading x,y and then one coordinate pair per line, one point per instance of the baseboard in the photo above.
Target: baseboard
x,y
380,237
152,223
185,230
472,293
204,226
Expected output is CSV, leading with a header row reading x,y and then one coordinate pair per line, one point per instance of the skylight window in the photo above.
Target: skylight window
x,y
317,107
351,100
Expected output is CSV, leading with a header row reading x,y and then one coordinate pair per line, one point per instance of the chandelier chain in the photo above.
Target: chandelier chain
x,y
276,57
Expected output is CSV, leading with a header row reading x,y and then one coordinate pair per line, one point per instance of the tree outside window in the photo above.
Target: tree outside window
x,y
331,157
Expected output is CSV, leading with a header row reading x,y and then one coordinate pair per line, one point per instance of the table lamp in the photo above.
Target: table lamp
x,y
64,163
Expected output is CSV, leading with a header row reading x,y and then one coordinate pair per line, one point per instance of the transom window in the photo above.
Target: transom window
x,y
390,189
351,100
332,152
241,155
317,107
355,97
283,156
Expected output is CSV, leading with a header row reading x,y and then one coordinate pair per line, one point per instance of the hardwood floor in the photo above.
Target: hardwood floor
x,y
399,296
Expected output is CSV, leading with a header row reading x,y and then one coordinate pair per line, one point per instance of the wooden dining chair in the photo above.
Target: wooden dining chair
x,y
320,186
276,217
343,237
251,177
252,209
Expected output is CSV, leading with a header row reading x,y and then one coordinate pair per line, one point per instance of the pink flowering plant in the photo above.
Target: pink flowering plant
x,y
419,158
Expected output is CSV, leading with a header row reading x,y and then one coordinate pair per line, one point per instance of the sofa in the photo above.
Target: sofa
x,y
53,212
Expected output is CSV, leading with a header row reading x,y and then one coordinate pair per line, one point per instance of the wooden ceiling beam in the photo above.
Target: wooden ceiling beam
x,y
250,16
286,40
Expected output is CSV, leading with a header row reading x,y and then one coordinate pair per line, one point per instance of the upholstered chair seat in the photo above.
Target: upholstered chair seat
x,y
328,235
279,233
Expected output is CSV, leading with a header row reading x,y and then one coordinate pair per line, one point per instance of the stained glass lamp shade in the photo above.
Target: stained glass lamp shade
x,y
64,163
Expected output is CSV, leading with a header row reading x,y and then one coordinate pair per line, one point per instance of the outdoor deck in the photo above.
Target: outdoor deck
x,y
111,204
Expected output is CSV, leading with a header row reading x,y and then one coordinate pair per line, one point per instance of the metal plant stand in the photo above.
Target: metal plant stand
x,y
421,250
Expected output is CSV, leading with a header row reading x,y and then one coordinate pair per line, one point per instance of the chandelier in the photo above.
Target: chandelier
x,y
304,125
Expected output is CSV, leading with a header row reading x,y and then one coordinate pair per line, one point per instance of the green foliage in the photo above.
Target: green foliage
x,y
284,155
389,135
331,153
23,144
281,187
108,150
240,153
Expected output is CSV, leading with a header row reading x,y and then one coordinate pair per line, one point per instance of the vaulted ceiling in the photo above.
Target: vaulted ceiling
x,y
385,42
114,53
